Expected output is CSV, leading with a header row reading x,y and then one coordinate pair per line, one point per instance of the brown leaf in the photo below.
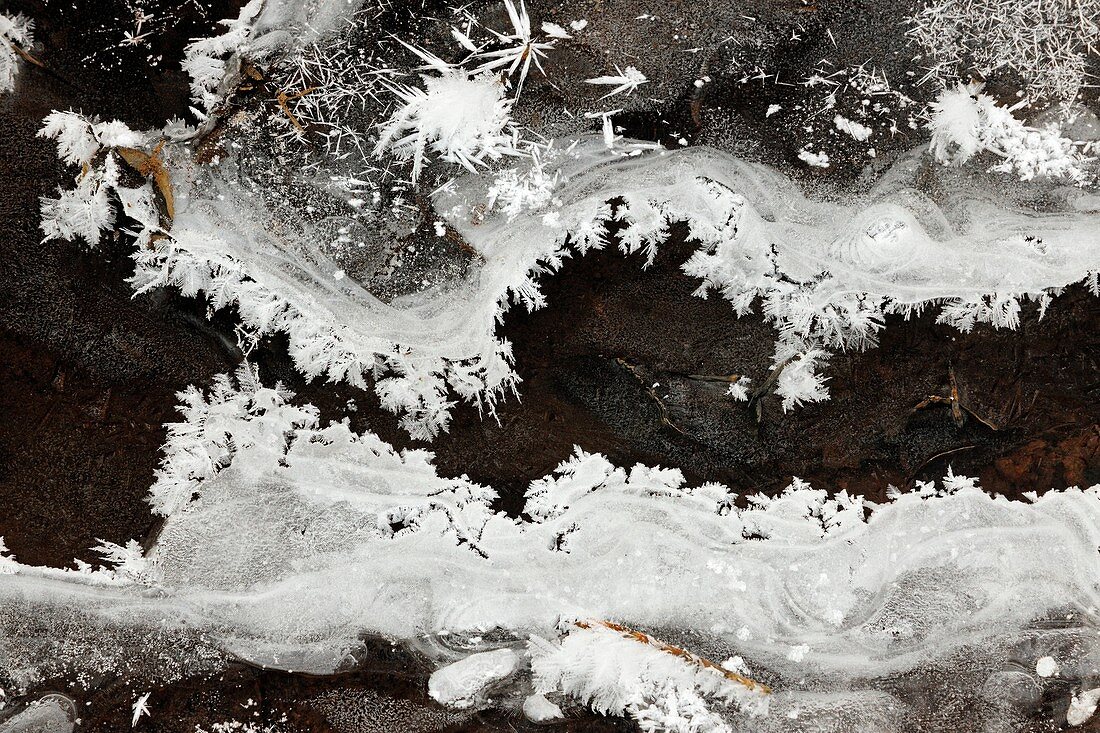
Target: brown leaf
x,y
151,166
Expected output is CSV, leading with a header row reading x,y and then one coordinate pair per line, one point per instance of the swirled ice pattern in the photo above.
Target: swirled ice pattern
x,y
853,612
825,273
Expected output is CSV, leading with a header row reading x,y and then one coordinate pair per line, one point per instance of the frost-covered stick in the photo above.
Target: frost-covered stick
x,y
675,651
615,671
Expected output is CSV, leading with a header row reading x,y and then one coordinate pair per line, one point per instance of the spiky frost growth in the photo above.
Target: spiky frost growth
x,y
624,80
330,89
523,50
409,383
798,381
206,60
16,31
530,188
619,672
80,138
1047,42
739,389
87,211
126,563
964,124
461,118
237,414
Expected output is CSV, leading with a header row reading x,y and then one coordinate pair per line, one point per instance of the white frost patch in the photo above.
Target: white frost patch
x,y
850,127
458,684
964,124
739,389
1046,667
207,60
798,381
16,31
460,117
540,710
1082,707
662,688
819,159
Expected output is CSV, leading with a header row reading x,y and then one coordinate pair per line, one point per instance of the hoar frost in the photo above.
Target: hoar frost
x,y
461,118
620,672
964,124
826,277
16,32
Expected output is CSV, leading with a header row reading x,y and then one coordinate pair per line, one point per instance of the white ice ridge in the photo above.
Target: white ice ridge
x,y
312,536
826,272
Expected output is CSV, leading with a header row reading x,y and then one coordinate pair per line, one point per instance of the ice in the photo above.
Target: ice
x,y
540,710
1082,707
1046,667
460,683
827,273
52,713
313,536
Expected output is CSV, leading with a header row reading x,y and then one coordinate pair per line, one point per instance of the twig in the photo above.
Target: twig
x,y
665,419
283,98
676,651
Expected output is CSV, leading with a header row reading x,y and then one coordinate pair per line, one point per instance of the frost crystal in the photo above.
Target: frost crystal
x,y
206,60
1047,42
87,210
16,31
461,118
627,80
965,124
234,416
524,49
